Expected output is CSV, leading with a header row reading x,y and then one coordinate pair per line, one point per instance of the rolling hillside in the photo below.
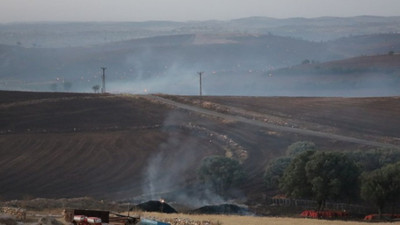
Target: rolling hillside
x,y
75,34
362,76
388,63
235,64
125,146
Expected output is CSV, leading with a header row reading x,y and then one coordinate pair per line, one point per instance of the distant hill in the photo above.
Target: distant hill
x,y
364,45
52,34
164,57
377,75
235,64
388,64
321,28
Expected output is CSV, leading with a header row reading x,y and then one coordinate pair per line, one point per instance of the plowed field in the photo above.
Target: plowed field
x,y
124,146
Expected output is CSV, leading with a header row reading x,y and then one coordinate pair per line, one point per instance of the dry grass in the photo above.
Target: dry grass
x,y
253,220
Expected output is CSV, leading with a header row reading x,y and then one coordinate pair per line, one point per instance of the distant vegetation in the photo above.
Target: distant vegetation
x,y
360,65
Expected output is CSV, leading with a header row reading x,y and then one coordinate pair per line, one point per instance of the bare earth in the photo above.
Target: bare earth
x,y
104,146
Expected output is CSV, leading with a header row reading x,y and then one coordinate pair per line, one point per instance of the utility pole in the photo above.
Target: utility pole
x,y
201,90
103,89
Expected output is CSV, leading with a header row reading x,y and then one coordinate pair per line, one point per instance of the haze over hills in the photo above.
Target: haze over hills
x,y
63,34
234,63
377,75
237,56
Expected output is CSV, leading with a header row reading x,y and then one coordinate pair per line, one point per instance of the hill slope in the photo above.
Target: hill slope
x,y
125,146
89,34
236,64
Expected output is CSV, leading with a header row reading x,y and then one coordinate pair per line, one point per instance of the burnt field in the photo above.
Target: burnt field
x,y
369,118
127,146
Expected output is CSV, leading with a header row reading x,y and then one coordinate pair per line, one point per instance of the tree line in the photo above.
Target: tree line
x,y
372,176
305,173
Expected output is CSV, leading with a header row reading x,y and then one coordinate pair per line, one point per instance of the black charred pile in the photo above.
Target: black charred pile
x,y
226,209
156,206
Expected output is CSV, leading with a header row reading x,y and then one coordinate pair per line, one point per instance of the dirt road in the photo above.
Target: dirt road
x,y
273,127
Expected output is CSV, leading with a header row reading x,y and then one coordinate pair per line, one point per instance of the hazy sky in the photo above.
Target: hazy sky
x,y
184,10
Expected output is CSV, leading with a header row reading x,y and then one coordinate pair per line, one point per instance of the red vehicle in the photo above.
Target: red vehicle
x,y
326,214
84,220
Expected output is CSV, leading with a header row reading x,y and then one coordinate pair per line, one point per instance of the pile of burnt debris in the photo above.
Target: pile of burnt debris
x,y
226,209
155,206
163,207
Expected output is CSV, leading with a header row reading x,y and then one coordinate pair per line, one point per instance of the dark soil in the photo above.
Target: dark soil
x,y
226,209
155,206
102,146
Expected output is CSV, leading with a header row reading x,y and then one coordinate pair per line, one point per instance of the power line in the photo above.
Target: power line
x,y
103,89
201,88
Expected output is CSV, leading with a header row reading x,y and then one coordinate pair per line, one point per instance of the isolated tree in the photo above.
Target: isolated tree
x,y
332,176
300,147
96,88
274,172
221,173
382,186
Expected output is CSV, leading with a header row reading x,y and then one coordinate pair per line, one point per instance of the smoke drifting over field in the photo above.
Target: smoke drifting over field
x,y
176,80
236,61
163,180
262,84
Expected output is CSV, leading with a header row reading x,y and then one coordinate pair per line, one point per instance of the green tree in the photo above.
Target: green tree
x,y
382,186
300,147
274,172
276,168
332,176
321,176
375,158
294,182
221,173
